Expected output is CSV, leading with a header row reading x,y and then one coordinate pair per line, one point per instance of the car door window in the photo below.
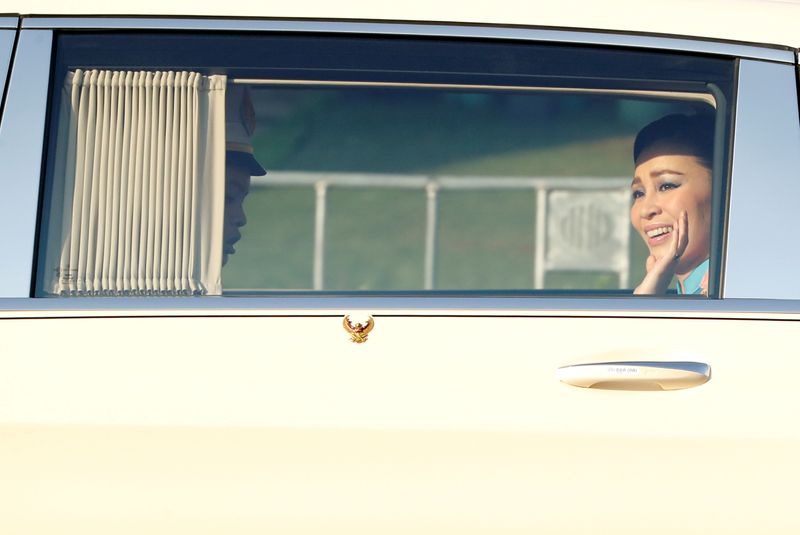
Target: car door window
x,y
242,164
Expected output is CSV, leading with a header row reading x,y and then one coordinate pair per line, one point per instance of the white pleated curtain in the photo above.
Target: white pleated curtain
x,y
143,185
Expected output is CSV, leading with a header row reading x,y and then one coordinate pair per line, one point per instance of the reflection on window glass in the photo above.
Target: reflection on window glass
x,y
485,239
431,188
278,246
252,163
374,239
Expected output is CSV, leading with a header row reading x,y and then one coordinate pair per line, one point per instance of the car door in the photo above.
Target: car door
x,y
437,422
458,410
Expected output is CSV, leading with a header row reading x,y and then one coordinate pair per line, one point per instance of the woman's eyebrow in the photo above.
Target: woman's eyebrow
x,y
659,172
636,181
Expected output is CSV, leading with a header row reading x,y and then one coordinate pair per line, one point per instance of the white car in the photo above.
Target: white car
x,y
364,269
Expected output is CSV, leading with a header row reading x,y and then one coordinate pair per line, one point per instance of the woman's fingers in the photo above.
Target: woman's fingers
x,y
659,274
682,239
651,261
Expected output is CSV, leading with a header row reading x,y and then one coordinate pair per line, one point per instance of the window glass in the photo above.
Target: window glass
x,y
185,164
6,47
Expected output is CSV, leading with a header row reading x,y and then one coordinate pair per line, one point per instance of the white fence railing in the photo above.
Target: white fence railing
x,y
582,223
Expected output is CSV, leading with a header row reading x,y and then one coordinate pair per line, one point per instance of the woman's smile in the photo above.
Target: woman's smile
x,y
657,233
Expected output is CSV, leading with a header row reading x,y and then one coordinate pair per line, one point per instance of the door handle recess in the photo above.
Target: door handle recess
x,y
636,375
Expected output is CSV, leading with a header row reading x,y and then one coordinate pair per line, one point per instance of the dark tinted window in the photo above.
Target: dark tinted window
x,y
392,165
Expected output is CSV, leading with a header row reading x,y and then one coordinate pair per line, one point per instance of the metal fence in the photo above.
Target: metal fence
x,y
582,223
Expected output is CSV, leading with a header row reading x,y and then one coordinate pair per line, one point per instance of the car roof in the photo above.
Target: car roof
x,y
772,22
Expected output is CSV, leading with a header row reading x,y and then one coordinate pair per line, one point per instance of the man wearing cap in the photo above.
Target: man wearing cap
x,y
240,164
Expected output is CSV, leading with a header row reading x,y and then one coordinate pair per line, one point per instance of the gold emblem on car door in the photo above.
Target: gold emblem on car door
x,y
358,331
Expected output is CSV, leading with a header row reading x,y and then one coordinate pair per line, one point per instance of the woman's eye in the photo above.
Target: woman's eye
x,y
637,194
668,186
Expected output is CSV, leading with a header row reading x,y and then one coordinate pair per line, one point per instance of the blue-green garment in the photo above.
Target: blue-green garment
x,y
693,283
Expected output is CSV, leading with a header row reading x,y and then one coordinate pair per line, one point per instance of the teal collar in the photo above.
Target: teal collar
x,y
692,284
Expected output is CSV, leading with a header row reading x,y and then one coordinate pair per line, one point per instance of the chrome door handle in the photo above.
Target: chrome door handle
x,y
636,375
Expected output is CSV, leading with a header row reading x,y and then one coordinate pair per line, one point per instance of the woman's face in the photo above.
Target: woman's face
x,y
666,182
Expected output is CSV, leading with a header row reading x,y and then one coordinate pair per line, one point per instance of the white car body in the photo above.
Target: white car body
x,y
254,415
754,21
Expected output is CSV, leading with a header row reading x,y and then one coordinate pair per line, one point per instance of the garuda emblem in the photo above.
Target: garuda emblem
x,y
358,331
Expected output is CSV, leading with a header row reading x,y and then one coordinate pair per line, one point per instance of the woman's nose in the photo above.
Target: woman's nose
x,y
649,209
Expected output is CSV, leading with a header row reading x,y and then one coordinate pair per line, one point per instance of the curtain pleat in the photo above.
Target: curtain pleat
x,y
143,161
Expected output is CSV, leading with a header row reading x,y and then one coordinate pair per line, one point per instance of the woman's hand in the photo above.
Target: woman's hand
x,y
660,270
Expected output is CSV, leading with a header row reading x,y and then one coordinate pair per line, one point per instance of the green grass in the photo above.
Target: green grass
x,y
485,240
375,240
276,249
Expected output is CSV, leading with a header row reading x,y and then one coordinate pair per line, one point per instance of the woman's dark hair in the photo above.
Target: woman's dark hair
x,y
691,133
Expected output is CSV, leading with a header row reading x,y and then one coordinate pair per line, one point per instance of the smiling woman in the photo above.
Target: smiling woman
x,y
671,206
